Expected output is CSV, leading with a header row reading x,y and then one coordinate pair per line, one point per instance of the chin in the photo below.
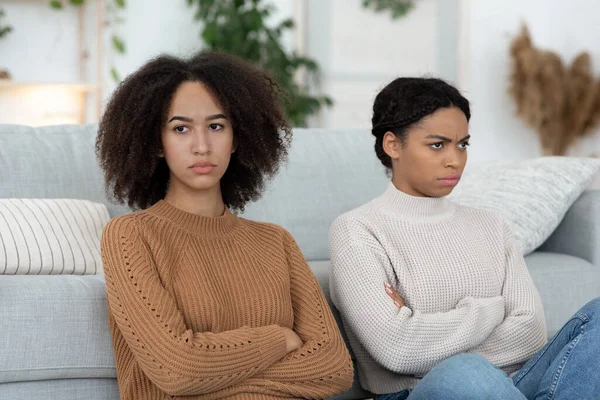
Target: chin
x,y
203,184
446,191
440,192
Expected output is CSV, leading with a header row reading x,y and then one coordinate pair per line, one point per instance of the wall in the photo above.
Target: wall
x,y
41,48
360,51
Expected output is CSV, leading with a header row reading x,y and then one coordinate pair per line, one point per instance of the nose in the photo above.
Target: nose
x,y
200,143
454,159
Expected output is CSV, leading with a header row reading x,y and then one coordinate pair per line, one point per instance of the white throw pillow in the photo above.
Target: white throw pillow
x,y
532,196
51,236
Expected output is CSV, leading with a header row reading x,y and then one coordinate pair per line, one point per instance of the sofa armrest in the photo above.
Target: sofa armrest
x,y
579,232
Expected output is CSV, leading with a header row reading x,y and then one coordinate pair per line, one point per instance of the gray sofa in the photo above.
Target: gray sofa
x,y
55,342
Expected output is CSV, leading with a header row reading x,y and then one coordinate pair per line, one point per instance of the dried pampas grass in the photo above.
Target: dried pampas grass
x,y
560,102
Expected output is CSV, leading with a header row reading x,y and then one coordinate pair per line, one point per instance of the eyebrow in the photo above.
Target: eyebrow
x,y
216,116
186,119
446,139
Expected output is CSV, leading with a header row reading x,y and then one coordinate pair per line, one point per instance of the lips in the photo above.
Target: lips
x,y
450,180
203,164
203,167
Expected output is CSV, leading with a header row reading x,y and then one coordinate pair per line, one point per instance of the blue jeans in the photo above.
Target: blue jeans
x,y
567,367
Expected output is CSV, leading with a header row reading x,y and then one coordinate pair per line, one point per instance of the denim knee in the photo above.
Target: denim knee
x,y
465,365
590,311
465,376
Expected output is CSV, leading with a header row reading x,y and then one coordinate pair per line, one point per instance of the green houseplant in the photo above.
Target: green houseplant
x,y
398,8
240,27
4,29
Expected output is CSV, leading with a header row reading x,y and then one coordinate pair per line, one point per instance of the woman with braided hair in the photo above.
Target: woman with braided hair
x,y
436,297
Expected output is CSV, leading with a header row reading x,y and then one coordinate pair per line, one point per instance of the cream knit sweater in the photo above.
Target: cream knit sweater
x,y
461,274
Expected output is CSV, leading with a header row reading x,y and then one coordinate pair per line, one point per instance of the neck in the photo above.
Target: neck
x,y
404,187
402,205
205,203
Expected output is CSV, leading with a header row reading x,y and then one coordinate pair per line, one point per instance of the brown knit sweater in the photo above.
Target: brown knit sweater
x,y
196,306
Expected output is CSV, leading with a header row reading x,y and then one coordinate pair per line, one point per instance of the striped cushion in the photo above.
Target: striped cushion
x,y
51,236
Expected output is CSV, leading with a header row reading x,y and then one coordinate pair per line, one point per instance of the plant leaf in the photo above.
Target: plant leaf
x,y
5,30
120,3
56,4
286,24
77,3
253,20
115,74
397,8
210,34
118,44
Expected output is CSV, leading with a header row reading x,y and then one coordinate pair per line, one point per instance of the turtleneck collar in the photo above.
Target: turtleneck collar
x,y
412,208
196,224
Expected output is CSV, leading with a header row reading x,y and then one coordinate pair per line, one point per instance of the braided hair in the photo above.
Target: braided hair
x,y
404,102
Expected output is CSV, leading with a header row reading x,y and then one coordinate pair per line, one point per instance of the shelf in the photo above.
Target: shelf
x,y
77,87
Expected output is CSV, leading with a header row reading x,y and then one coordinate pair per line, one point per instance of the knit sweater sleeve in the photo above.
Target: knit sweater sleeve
x,y
523,331
404,341
322,367
176,359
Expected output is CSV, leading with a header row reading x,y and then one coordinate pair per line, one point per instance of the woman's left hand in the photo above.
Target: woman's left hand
x,y
398,301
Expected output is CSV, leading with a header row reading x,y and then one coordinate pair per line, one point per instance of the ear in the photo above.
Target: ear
x,y
392,145
161,154
234,146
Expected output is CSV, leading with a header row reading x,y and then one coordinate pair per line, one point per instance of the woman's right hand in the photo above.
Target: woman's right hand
x,y
398,300
292,339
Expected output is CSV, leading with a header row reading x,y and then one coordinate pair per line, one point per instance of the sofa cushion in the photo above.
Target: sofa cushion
x,y
51,236
532,196
565,284
52,162
54,327
63,389
329,172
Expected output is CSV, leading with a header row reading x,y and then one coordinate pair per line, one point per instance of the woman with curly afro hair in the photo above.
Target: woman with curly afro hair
x,y
203,303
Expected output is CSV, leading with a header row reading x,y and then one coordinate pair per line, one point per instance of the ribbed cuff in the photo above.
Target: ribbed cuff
x,y
272,344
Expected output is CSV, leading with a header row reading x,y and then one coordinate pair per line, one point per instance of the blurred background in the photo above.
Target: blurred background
x,y
530,68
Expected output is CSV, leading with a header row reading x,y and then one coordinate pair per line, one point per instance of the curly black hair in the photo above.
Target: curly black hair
x,y
406,101
129,136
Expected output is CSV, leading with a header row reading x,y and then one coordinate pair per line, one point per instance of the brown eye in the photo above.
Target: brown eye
x,y
437,145
180,129
215,127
